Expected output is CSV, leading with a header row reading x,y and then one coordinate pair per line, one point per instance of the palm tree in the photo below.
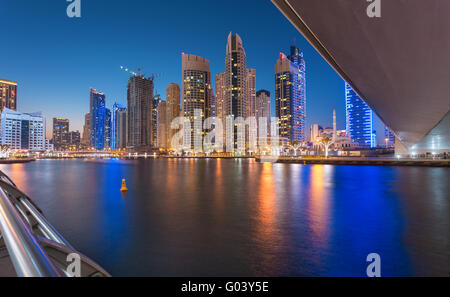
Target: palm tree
x,y
326,142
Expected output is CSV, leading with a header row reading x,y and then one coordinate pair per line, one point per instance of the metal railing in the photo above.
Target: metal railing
x,y
34,246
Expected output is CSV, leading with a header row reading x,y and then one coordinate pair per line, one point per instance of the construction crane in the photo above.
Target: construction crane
x,y
136,72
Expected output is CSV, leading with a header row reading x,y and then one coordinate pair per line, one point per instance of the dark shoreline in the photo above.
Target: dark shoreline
x,y
16,161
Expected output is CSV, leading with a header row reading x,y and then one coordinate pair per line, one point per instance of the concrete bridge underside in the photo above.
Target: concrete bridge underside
x,y
399,63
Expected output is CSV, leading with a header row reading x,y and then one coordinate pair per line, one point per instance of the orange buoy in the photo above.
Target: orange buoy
x,y
124,186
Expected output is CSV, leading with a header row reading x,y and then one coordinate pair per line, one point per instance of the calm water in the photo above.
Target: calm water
x,y
241,218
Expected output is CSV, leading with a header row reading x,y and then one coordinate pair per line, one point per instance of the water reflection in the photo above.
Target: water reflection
x,y
241,218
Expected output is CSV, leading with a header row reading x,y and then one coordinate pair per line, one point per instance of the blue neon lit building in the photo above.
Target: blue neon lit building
x,y
290,96
115,129
98,117
359,119
108,128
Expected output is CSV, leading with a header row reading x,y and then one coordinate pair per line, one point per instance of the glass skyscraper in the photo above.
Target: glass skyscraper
x,y
115,128
98,120
359,119
290,96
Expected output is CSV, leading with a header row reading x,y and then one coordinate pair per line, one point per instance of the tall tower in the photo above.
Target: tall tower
x,y
296,57
334,125
98,117
108,128
139,105
220,95
115,125
359,119
161,139
173,108
235,78
8,94
196,89
86,140
61,134
251,92
156,100
290,107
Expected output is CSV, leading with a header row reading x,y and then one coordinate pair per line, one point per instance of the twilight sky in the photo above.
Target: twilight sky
x,y
56,59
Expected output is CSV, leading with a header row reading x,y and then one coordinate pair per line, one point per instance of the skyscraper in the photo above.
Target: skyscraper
x,y
363,126
220,95
196,90
263,104
8,94
74,140
86,140
140,97
235,78
24,131
173,108
162,125
121,128
289,103
108,128
115,125
359,119
98,119
61,139
251,92
156,100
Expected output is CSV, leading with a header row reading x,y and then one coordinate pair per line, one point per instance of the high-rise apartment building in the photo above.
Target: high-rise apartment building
x,y
8,94
139,106
61,140
263,105
220,95
196,91
98,120
108,128
86,139
235,78
155,103
162,125
23,131
116,127
173,109
362,125
290,103
359,119
74,140
251,92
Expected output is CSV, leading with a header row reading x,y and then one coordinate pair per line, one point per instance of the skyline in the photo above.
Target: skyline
x,y
75,63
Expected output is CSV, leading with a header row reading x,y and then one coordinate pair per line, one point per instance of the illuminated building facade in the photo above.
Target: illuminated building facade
x,y
162,125
155,103
23,131
8,94
108,128
139,106
117,126
98,120
359,119
61,139
290,101
173,108
196,90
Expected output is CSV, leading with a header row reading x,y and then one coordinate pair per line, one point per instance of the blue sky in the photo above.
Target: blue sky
x,y
56,59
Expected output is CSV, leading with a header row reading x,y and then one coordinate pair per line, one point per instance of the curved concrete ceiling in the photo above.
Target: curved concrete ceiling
x,y
399,63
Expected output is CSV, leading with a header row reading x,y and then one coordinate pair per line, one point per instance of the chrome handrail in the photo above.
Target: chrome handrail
x,y
34,246
27,256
